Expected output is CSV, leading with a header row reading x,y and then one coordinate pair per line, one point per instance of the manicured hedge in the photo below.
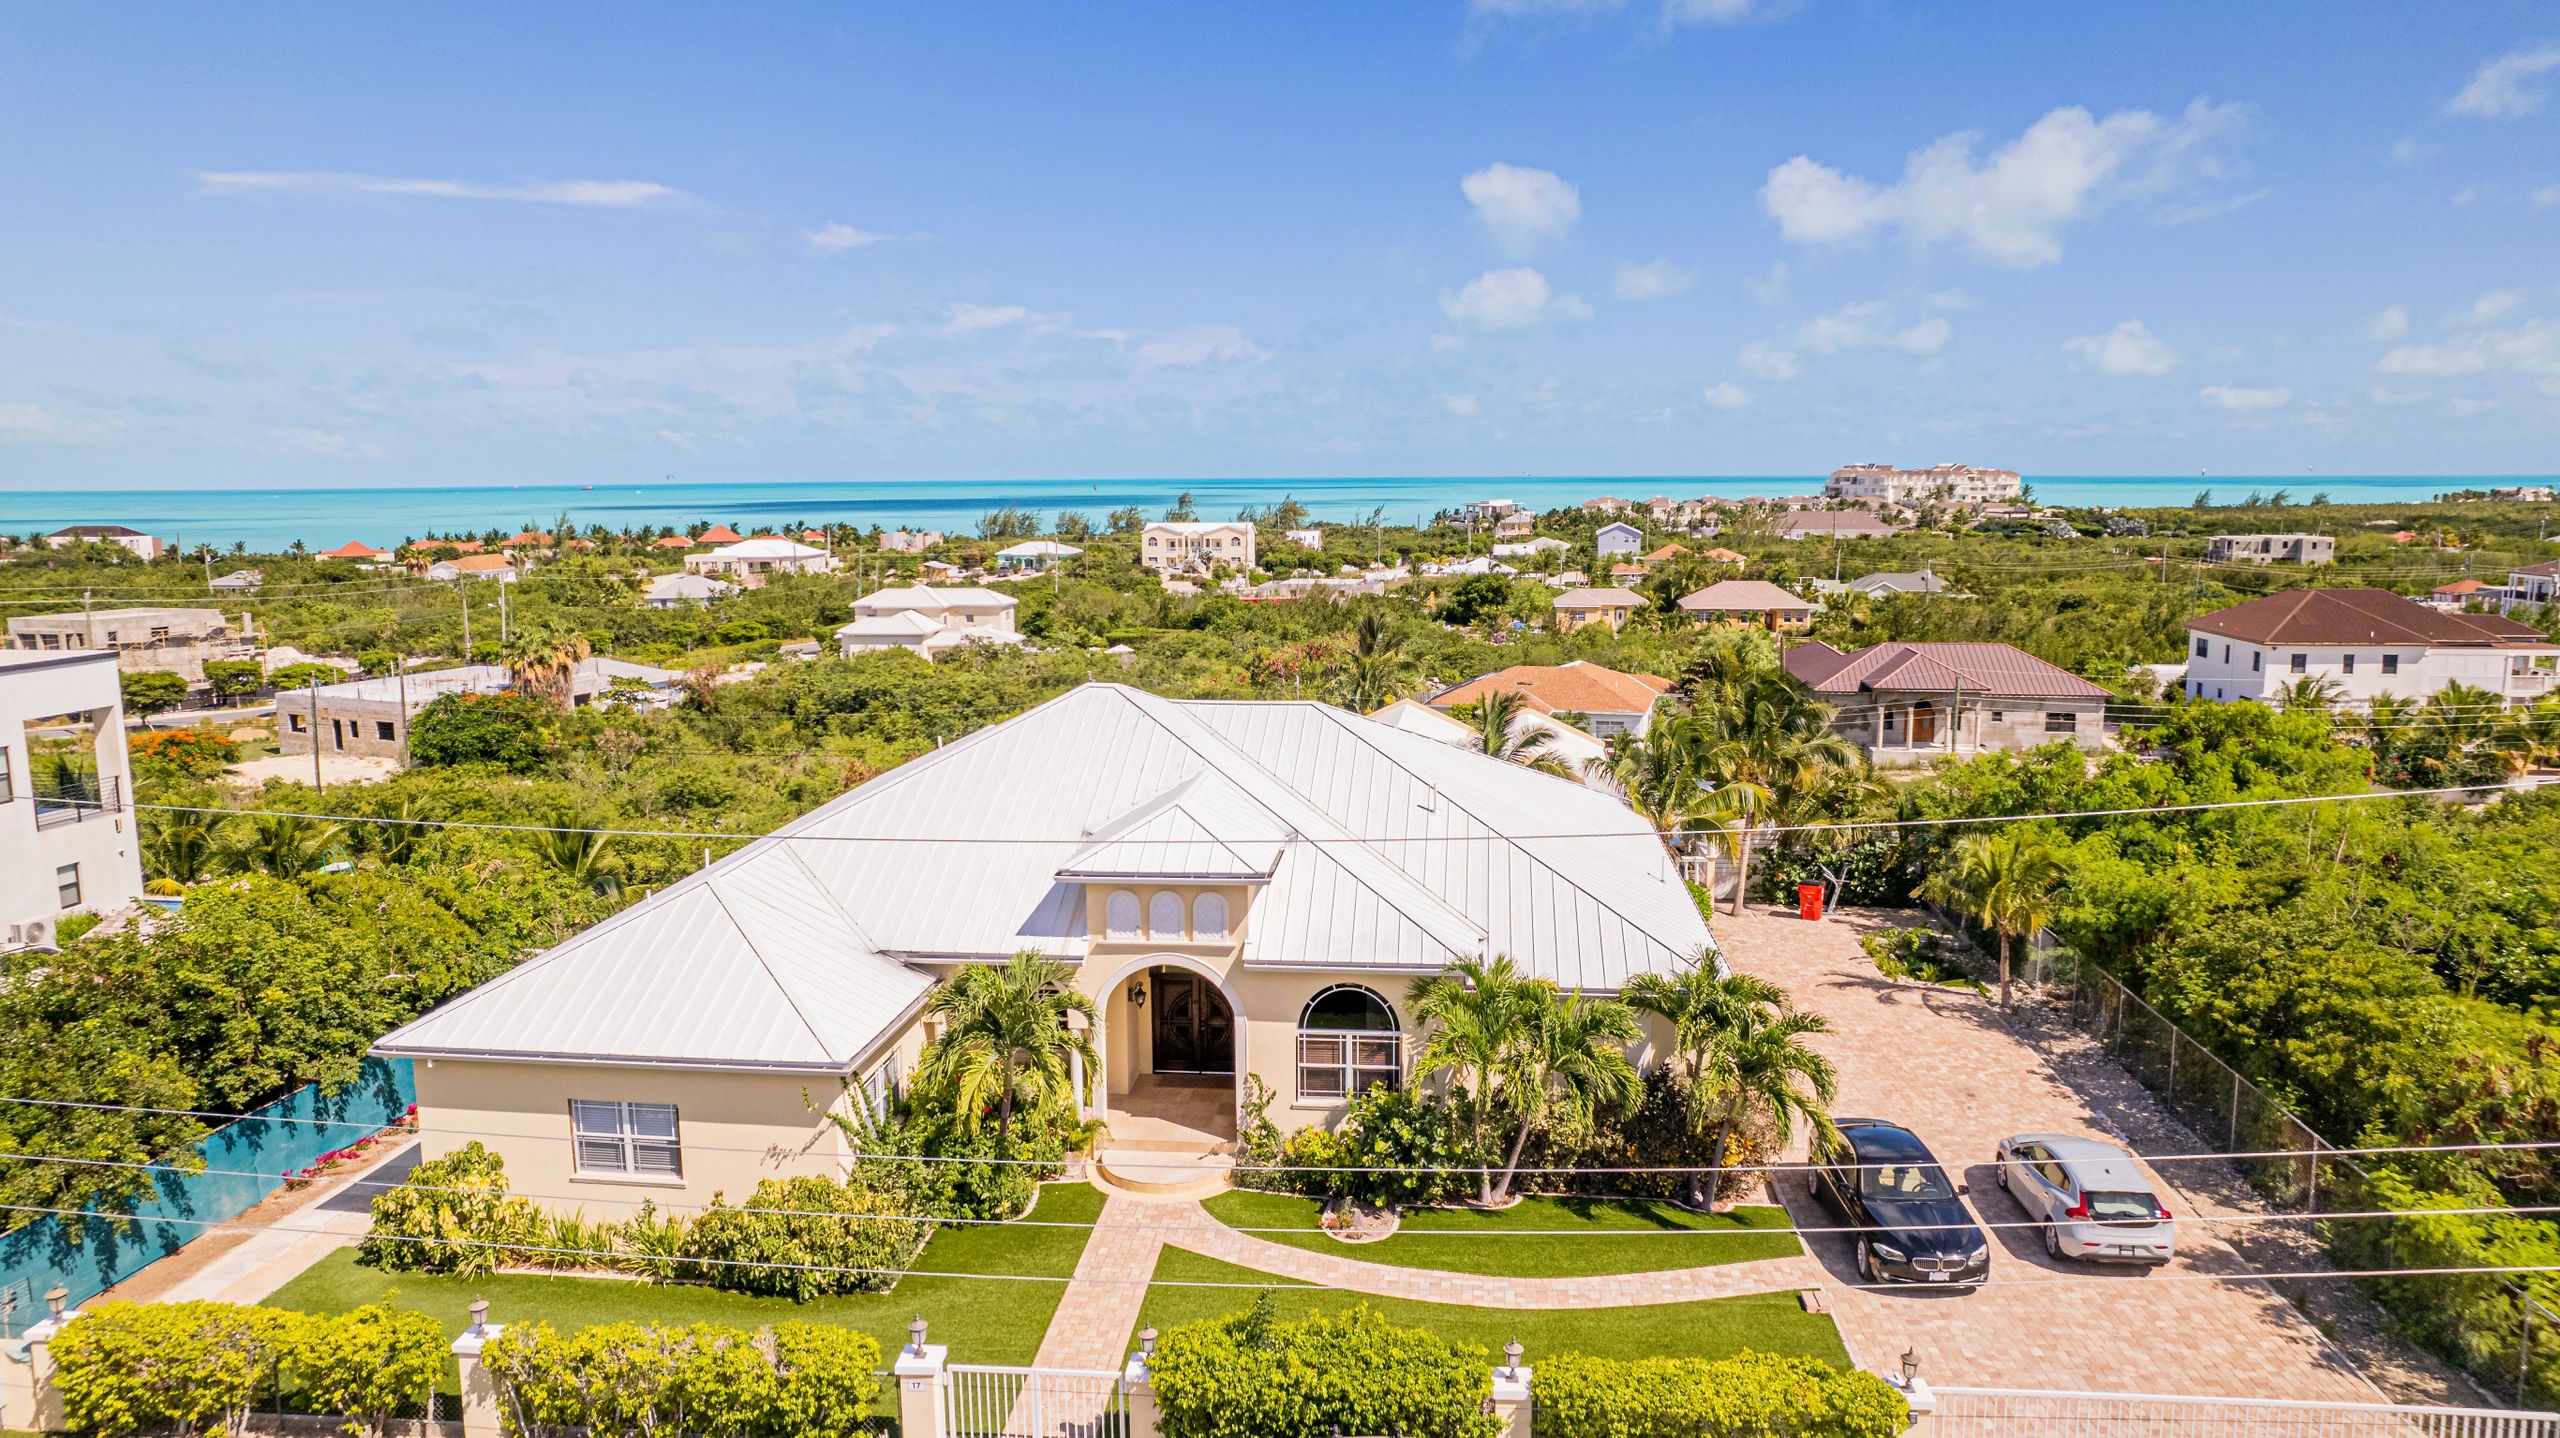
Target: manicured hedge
x,y
127,1368
1756,1395
1250,1376
794,1380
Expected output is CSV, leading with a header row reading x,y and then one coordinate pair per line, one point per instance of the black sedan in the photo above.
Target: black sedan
x,y
1912,1228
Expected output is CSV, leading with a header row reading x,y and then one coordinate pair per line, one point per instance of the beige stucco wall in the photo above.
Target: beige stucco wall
x,y
736,1129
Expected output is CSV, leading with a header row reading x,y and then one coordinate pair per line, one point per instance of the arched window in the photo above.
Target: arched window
x,y
1164,915
1347,1040
1209,916
1120,914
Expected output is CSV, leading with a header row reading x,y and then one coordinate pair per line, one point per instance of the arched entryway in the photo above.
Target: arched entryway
x,y
1924,723
1172,1045
1192,1029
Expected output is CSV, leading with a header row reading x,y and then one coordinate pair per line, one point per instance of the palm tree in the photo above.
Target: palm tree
x,y
287,846
1377,670
1655,772
543,662
1732,810
1764,1075
181,848
577,849
2531,737
1569,1062
2312,691
401,835
1005,1037
2463,713
1471,1014
1704,1009
1501,735
2006,882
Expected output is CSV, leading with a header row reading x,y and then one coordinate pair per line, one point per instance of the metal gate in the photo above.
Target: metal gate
x,y
1984,1412
984,1401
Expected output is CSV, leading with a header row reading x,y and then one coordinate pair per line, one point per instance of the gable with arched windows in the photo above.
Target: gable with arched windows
x,y
1164,915
1348,1039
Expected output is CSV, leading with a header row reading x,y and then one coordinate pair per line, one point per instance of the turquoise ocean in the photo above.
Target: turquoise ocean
x,y
326,518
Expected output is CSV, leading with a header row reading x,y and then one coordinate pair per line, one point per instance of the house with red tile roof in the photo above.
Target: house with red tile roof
x,y
1912,703
530,539
672,541
357,549
1611,701
718,534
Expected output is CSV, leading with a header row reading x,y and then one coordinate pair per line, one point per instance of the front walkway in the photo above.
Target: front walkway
x,y
271,1244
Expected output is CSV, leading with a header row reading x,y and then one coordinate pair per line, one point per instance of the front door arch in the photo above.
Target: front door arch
x,y
1121,1022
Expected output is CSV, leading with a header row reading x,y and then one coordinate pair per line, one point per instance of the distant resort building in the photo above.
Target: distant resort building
x,y
1939,483
750,562
1187,546
928,621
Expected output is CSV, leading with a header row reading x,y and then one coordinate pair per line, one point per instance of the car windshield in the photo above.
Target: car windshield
x,y
1906,1180
2124,1207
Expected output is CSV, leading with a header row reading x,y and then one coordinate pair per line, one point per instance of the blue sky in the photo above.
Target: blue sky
x,y
357,246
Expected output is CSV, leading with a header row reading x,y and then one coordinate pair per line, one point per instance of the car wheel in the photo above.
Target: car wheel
x,y
2000,1176
1867,1263
2053,1240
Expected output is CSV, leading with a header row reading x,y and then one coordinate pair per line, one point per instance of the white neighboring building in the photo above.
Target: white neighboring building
x,y
674,591
2368,643
750,562
1945,483
141,544
911,541
1189,546
1304,538
928,621
2271,549
1619,537
68,840
1034,555
1530,548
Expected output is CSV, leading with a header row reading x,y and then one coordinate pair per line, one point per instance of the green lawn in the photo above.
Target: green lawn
x,y
1710,1328
1626,1235
983,1321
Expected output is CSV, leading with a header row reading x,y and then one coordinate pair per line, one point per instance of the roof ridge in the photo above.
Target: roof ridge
x,y
790,998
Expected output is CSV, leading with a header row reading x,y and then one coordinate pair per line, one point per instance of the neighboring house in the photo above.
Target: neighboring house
x,y
1748,601
1171,546
671,543
1610,701
1886,583
360,552
1726,556
674,591
2534,583
68,840
2526,493
911,541
750,562
1304,538
1233,883
1581,608
1518,524
1033,555
2367,643
1665,554
1583,757
1831,524
2462,594
1941,483
139,543
1607,504
1910,703
238,579
939,569
927,621
1618,538
500,567
1528,548
532,541
1476,564
1487,511
2271,549
178,641
718,534
1342,587
369,718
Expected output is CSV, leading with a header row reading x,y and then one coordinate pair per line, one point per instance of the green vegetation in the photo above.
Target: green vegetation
x,y
129,1368
1757,1394
988,1320
1256,1376
1455,1239
794,1380
1709,1328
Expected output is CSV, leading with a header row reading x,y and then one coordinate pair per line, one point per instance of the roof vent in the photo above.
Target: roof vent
x,y
1430,797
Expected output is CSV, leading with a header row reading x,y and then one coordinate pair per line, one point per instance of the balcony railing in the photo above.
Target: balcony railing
x,y
72,798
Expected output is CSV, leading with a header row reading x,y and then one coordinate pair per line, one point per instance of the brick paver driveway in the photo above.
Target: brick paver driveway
x,y
1940,1062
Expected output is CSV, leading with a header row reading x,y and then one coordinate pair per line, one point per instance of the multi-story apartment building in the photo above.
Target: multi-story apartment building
x,y
2366,643
176,640
1196,546
68,842
142,545
2271,549
1942,483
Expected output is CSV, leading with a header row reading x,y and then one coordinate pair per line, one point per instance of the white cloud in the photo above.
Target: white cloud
x,y
2489,308
2505,88
1512,299
834,238
1464,406
34,424
1522,207
1725,394
2409,150
2223,396
1674,12
1198,345
2129,348
319,443
2384,394
1771,287
2390,325
1768,361
2011,206
2462,407
1652,280
1869,325
2530,348
1951,300
962,319
1705,12
2546,197
605,194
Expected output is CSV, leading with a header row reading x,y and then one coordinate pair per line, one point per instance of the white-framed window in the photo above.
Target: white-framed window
x,y
2301,664
879,1089
1347,1040
1120,914
1209,916
638,1139
1164,915
66,885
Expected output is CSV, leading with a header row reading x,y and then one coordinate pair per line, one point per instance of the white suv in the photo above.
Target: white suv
x,y
2094,1201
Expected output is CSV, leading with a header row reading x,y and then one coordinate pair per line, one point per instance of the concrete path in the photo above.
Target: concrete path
x,y
231,1265
1100,1308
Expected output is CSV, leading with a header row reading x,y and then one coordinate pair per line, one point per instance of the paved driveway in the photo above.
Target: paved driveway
x,y
1941,1062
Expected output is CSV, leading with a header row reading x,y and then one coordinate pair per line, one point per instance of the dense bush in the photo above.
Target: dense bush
x,y
807,1381
1384,1129
510,731
1656,1142
185,753
803,1238
1252,1376
2472,1316
452,1215
1034,1149
1755,1395
367,1364
202,1368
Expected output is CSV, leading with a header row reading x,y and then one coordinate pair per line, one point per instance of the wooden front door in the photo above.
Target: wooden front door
x,y
1924,723
1195,1031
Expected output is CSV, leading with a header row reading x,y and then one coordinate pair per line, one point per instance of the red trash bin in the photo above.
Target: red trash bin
x,y
1809,901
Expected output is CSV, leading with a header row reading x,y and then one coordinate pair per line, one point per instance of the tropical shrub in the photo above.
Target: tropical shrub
x,y
1384,1129
149,691
155,1367
628,1378
1651,1151
365,1364
1252,1376
797,1238
511,731
2471,1316
188,753
452,1215
1754,1395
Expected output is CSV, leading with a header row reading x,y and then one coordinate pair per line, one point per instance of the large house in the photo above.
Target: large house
x,y
68,841
1033,556
2366,643
675,591
1197,546
175,640
1581,608
1946,483
911,541
2271,549
1610,701
750,562
2534,583
928,621
134,540
1910,703
1750,602
1618,538
1831,524
1238,885
1582,757
500,567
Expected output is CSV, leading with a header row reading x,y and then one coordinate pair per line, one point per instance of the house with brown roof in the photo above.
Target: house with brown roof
x,y
672,541
529,539
1748,601
499,567
2366,643
1581,608
1610,701
1911,703
1832,524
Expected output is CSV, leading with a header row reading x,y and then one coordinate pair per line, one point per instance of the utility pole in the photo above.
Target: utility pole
x,y
465,596
403,662
316,785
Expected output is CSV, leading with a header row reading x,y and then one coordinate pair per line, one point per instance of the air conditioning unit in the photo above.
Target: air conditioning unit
x,y
35,932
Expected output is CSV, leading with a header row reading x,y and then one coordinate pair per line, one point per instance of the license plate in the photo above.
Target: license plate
x,y
1940,1277
2125,1250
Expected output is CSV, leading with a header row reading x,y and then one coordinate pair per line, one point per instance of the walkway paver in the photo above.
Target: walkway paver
x,y
1095,1314
1942,1062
